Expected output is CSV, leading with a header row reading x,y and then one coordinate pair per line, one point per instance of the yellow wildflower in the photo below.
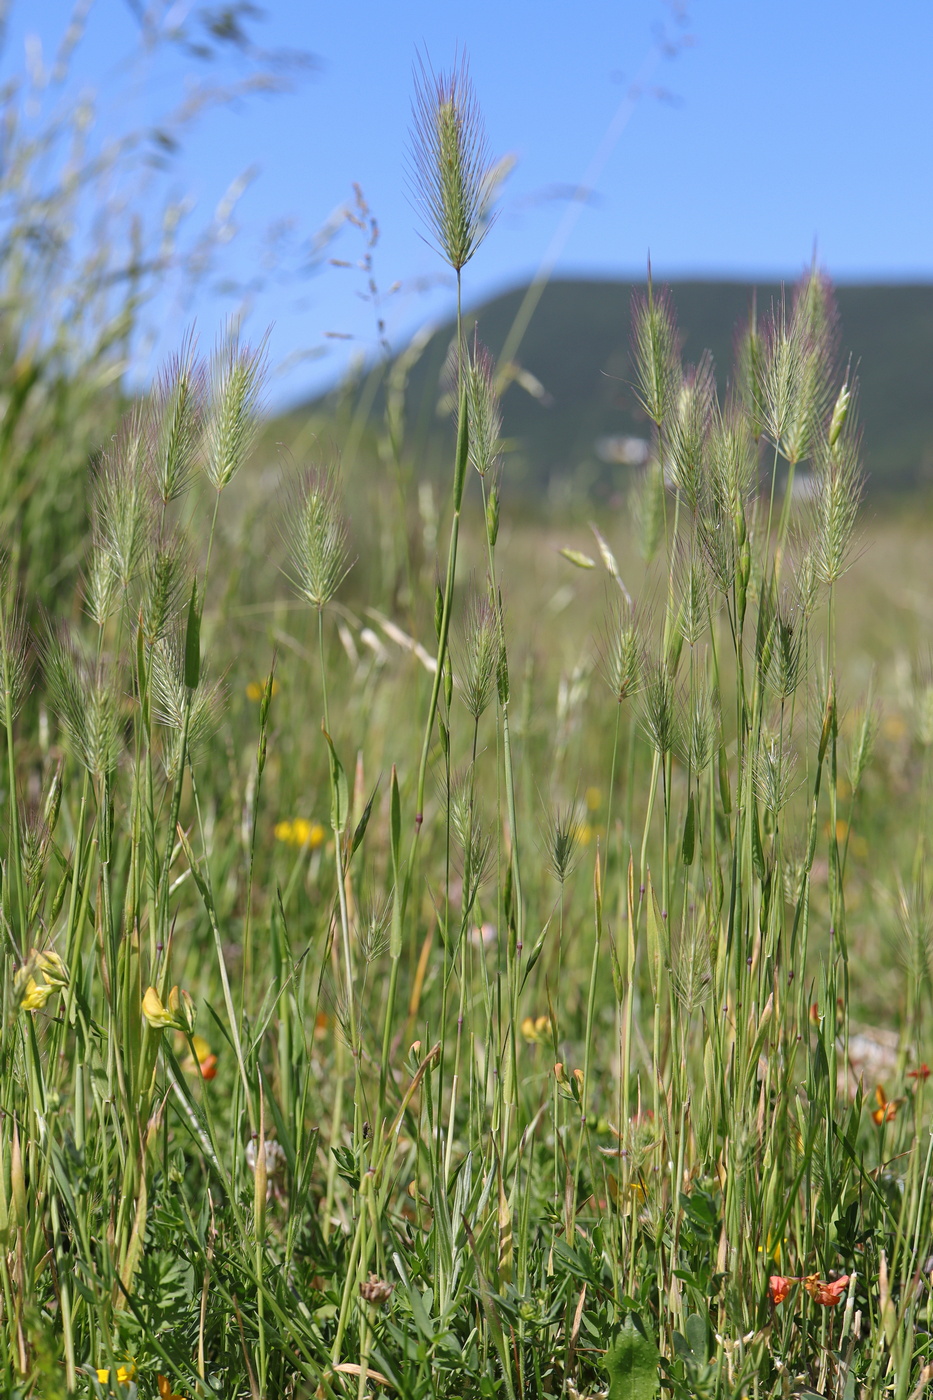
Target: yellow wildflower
x,y
594,799
536,1030
165,1388
257,689
179,1014
124,1374
32,997
301,832
52,968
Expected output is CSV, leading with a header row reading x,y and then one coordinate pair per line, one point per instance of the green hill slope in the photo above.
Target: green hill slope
x,y
576,348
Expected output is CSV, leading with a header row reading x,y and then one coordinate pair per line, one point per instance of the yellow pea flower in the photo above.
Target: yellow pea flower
x,y
300,832
124,1374
179,1014
32,997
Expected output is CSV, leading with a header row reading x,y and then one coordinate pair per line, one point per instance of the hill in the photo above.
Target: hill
x,y
576,350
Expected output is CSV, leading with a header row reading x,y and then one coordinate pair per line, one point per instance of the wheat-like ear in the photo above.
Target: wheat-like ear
x,y
484,416
316,534
450,170
122,510
658,707
688,430
621,652
177,414
563,838
479,653
655,351
14,651
86,700
237,378
839,486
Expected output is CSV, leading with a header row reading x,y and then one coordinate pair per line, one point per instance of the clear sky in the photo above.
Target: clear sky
x,y
756,130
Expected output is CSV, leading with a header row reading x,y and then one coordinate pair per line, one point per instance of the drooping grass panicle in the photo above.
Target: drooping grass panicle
x,y
688,430
655,352
236,385
177,412
484,415
316,534
450,170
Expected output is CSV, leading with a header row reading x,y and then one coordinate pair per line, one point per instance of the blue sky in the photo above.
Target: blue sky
x,y
761,128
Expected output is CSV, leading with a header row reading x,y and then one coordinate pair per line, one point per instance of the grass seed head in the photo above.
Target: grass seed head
x,y
86,700
479,656
688,431
451,175
165,588
622,653
700,729
655,352
14,656
316,535
171,695
563,838
484,415
237,380
659,711
122,513
648,510
693,617
774,774
839,487
177,413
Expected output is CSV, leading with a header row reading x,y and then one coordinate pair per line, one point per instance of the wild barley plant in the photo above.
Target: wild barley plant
x,y
625,1152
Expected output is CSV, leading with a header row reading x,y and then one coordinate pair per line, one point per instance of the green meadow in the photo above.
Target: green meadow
x,y
464,938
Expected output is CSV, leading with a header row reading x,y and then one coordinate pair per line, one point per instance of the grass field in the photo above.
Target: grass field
x,y
449,953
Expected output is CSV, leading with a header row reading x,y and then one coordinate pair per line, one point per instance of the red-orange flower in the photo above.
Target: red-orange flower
x,y
826,1294
779,1287
206,1061
922,1073
886,1111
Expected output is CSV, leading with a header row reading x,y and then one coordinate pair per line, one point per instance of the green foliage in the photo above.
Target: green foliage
x,y
313,1084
